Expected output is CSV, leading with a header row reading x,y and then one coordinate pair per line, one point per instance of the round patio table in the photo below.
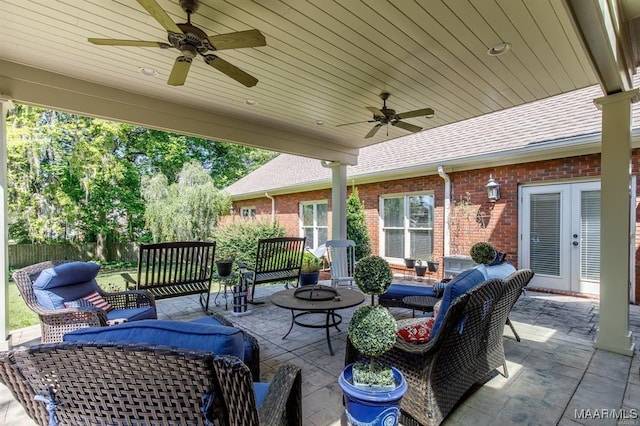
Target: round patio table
x,y
345,299
422,303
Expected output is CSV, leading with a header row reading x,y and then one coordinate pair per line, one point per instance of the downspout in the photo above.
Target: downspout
x,y
447,210
273,207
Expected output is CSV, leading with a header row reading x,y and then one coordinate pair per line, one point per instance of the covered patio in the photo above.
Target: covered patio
x,y
556,376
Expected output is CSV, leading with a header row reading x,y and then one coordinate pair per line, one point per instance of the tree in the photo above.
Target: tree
x,y
185,210
357,226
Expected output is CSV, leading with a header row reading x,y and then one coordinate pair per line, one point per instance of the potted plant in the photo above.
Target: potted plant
x,y
421,269
310,270
432,265
224,265
372,391
410,262
483,253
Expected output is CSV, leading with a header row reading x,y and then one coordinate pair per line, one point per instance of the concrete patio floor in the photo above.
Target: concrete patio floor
x,y
556,375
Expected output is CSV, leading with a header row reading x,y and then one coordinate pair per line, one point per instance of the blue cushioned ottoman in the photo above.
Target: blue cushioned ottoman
x,y
396,292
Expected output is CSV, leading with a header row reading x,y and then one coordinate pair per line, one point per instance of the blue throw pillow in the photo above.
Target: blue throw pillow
x,y
66,274
459,285
218,339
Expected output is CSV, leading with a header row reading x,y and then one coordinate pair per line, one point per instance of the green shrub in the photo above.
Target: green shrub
x,y
238,240
357,229
483,253
373,275
372,330
310,263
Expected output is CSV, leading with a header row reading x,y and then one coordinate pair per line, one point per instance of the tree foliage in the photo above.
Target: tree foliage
x,y
357,226
187,210
79,178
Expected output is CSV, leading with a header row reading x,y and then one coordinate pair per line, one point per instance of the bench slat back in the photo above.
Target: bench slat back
x,y
176,268
279,258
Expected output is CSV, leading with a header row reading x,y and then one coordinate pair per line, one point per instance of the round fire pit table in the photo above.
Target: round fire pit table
x,y
317,299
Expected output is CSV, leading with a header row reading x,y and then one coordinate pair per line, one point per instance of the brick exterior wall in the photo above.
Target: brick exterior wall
x,y
480,221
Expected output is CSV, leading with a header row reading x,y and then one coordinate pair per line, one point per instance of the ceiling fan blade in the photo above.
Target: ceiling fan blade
x,y
355,122
407,126
376,112
237,40
416,113
373,131
160,15
179,71
114,42
231,70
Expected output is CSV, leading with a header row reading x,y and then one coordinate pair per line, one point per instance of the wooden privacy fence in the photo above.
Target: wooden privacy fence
x,y
21,255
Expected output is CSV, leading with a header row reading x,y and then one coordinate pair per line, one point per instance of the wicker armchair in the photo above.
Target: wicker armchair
x,y
136,384
55,323
466,348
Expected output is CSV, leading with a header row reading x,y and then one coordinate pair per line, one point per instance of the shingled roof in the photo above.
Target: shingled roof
x,y
569,119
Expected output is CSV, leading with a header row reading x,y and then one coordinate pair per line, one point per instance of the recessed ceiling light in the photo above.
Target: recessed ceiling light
x,y
319,122
148,72
251,102
499,49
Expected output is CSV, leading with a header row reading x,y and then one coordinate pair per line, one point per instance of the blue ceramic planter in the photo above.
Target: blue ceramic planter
x,y
372,408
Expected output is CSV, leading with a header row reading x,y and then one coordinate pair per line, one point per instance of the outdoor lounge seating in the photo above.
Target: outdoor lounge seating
x,y
121,383
174,269
277,259
55,291
464,349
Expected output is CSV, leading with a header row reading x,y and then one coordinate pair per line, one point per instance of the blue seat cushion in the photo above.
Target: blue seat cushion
x,y
248,352
64,283
459,285
260,389
502,270
133,314
219,340
398,291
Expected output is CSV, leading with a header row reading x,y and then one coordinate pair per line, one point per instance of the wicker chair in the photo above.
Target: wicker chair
x,y
100,383
466,348
55,323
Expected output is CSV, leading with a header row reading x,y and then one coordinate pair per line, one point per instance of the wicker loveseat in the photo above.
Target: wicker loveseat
x,y
467,346
120,383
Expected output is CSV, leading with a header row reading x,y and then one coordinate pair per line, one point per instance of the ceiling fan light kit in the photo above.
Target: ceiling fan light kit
x,y
386,116
191,41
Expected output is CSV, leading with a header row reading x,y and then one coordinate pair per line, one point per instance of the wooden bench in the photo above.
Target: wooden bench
x,y
277,259
175,269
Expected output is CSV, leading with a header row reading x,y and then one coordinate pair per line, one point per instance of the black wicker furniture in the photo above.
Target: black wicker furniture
x,y
466,348
111,383
54,323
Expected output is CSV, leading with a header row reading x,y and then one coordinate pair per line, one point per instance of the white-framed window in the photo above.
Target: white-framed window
x,y
314,222
406,226
247,212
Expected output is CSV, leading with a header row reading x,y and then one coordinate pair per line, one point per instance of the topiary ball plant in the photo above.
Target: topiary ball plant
x,y
372,329
483,253
373,275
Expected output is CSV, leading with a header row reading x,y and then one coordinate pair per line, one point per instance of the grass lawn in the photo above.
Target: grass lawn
x,y
21,316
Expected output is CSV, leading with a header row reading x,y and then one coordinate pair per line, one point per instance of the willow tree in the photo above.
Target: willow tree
x,y
187,209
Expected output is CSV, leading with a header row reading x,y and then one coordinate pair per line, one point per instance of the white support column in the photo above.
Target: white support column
x,y
613,332
5,105
338,201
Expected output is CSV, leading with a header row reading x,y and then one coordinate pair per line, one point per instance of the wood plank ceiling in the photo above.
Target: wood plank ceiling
x,y
324,60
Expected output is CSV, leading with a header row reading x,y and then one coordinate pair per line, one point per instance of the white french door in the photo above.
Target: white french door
x,y
560,236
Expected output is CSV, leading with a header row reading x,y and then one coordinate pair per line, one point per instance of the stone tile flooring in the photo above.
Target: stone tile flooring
x,y
555,374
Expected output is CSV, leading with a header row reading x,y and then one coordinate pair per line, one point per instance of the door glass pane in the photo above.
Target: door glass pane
x,y
393,212
544,242
321,210
394,243
421,211
590,235
421,243
307,215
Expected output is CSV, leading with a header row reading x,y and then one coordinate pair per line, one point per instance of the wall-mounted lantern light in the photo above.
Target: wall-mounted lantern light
x,y
493,189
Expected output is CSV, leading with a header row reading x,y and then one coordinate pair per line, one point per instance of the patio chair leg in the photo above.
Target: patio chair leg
x,y
515,333
504,367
